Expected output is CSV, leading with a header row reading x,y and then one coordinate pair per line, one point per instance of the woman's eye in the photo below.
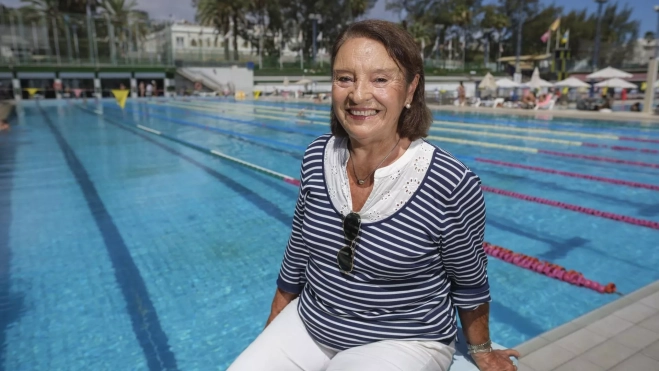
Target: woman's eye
x,y
380,80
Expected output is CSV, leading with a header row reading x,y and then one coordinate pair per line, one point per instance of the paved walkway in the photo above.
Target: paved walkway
x,y
621,336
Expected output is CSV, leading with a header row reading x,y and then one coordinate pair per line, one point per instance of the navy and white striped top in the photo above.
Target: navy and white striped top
x,y
410,269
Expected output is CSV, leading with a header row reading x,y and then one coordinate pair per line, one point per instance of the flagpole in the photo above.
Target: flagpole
x,y
558,33
548,42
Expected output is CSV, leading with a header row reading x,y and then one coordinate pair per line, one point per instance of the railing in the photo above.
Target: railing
x,y
38,39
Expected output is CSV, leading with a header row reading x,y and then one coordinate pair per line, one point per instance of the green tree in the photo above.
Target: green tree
x,y
226,16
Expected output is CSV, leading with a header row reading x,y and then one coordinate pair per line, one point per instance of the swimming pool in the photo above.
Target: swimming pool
x,y
124,250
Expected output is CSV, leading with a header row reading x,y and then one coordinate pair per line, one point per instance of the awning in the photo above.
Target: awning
x,y
526,58
36,75
114,75
76,75
150,75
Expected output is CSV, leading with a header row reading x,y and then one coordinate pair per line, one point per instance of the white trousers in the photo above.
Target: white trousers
x,y
285,345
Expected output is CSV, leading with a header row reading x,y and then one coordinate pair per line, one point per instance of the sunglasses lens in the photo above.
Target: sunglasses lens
x,y
344,259
351,226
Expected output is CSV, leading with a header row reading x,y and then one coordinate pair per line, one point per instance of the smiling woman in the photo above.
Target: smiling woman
x,y
387,233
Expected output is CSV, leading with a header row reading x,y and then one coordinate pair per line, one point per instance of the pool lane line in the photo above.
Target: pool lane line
x,y
507,128
194,111
295,153
321,121
214,152
11,302
652,187
520,196
584,210
460,131
214,129
551,171
144,318
548,269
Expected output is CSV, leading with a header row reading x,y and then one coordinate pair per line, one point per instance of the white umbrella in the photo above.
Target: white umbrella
x,y
616,83
572,82
507,83
488,82
303,82
536,82
609,73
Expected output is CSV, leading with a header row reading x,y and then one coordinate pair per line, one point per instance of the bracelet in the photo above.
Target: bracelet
x,y
486,347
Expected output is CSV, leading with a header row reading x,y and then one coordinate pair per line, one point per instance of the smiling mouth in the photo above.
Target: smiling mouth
x,y
362,112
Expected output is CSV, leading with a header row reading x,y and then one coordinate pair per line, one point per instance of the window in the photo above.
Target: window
x,y
208,41
179,41
193,42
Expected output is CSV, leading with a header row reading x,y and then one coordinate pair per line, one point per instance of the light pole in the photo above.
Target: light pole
x,y
315,18
438,30
518,70
656,35
596,50
486,34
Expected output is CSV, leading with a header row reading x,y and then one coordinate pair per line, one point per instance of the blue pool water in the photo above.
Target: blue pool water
x,y
122,250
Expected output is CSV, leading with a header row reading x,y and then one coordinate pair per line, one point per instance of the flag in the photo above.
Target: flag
x,y
319,38
554,26
31,91
300,37
500,47
120,95
566,37
545,36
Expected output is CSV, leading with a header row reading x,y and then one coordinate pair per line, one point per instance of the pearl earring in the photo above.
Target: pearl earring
x,y
408,106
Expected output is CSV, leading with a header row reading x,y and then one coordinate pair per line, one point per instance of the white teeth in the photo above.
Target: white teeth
x,y
371,112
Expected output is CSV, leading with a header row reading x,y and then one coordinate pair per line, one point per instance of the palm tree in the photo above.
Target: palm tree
x,y
461,17
226,16
128,22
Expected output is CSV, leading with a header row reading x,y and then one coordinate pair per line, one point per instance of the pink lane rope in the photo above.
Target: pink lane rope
x,y
579,209
619,148
598,158
573,175
639,139
547,268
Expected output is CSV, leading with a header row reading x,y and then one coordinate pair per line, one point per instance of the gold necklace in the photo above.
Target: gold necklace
x,y
362,181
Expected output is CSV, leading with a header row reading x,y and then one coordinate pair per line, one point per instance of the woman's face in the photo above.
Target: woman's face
x,y
369,90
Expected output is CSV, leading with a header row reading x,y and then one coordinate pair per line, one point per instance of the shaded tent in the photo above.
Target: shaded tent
x,y
616,83
507,84
488,83
572,82
609,73
536,82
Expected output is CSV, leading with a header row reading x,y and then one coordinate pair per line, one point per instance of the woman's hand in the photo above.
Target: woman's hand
x,y
279,302
496,360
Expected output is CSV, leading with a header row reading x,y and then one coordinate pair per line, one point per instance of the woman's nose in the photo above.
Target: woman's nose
x,y
361,91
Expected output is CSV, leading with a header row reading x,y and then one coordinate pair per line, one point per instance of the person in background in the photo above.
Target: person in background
x,y
155,87
462,94
623,95
149,90
636,107
386,248
141,88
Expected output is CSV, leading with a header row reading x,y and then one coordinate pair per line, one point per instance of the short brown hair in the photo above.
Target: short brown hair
x,y
414,122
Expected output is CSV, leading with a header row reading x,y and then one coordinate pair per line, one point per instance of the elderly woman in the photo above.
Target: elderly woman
x,y
387,232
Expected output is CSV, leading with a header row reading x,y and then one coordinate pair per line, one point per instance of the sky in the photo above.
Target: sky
x,y
182,9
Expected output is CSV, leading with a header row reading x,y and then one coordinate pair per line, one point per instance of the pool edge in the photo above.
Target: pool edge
x,y
578,323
